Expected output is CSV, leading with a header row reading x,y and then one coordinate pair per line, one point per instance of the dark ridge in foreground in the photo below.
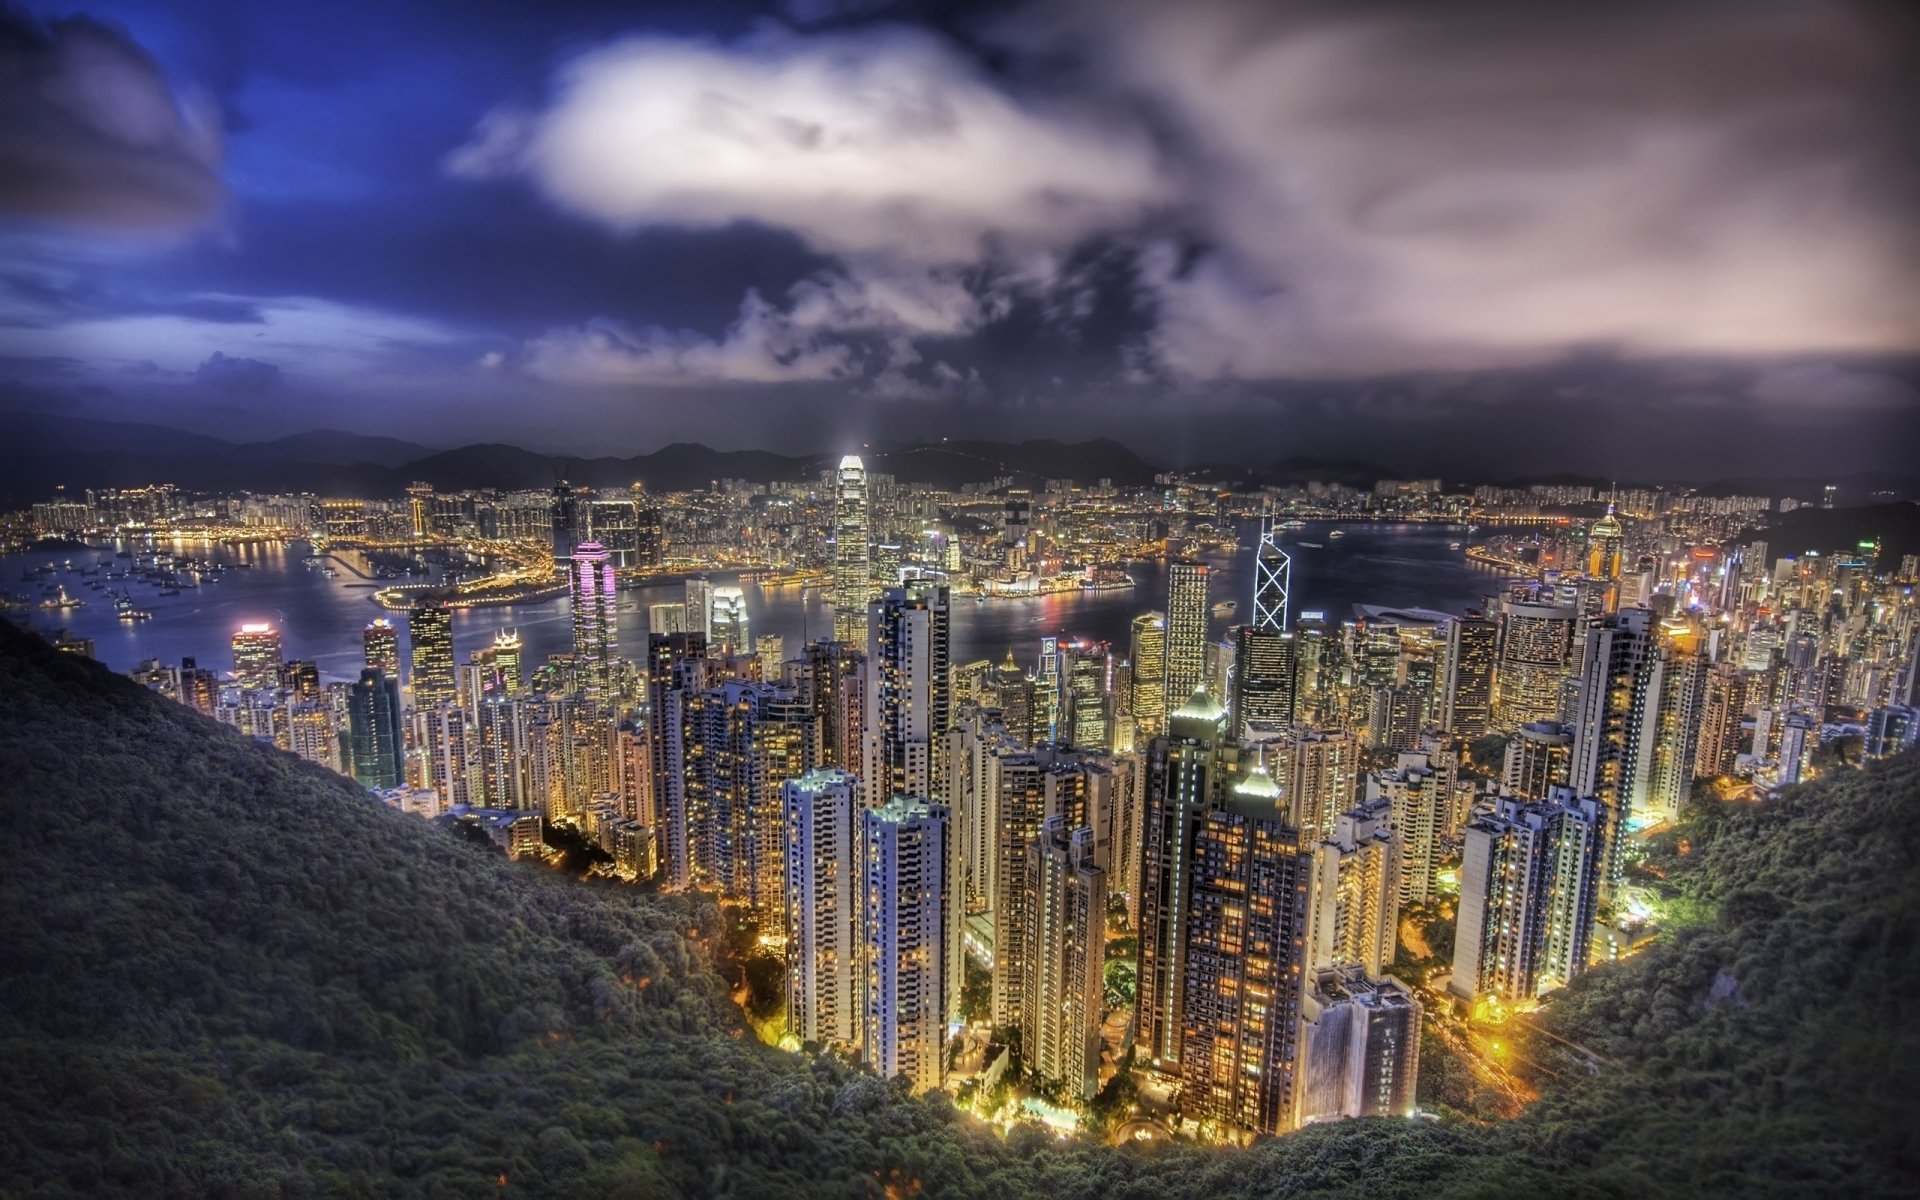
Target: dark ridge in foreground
x,y
227,973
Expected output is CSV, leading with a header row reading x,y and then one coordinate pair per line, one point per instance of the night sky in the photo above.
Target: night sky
x,y
1642,239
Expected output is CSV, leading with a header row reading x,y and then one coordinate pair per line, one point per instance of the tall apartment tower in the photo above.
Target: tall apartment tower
x,y
1356,891
595,646
1611,722
1244,962
909,692
1319,776
1530,879
1188,613
1536,655
1184,778
909,951
1060,1010
1421,799
1359,1046
823,907
851,550
1466,684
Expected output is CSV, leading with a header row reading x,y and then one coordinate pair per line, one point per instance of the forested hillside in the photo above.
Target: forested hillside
x,y
224,972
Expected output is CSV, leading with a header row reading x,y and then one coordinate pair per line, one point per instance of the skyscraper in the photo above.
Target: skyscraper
x,y
1538,757
594,640
699,609
1272,579
508,667
823,907
1263,674
1243,962
382,647
375,739
1529,884
1319,776
257,657
1148,674
850,552
1466,685
909,697
1066,903
727,627
1360,1046
1356,891
1087,689
1604,543
1536,653
1188,612
1611,723
1184,767
430,648
908,957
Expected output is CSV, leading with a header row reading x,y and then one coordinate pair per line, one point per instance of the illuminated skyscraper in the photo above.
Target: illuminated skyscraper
x,y
823,907
1272,579
257,657
1148,667
1466,683
1530,879
1603,556
1319,775
771,650
1611,726
1087,689
1188,612
1243,962
1538,757
1184,767
508,668
1536,654
1264,666
909,952
699,609
727,628
382,642
1356,891
1066,902
594,647
850,552
430,651
375,738
909,700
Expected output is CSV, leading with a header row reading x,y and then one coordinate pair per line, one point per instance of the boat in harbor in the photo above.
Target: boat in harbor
x,y
1335,533
1226,608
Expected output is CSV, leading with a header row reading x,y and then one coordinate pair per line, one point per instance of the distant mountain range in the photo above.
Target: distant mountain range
x,y
38,454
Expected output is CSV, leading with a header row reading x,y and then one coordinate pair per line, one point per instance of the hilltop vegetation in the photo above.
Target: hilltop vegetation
x,y
228,973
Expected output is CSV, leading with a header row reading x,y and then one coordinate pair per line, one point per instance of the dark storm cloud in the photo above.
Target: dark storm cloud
x,y
244,376
91,133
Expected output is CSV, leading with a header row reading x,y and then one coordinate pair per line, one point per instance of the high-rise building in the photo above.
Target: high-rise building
x,y
698,614
1538,756
1087,689
1530,879
1065,943
1319,775
1466,686
1183,779
502,724
1263,675
974,744
909,953
1243,962
727,629
257,657
1604,542
667,618
909,692
1147,667
1188,613
1356,891
823,907
834,678
509,669
451,751
1722,704
1421,800
851,550
382,647
376,738
1360,1046
1611,723
1536,655
1272,579
595,642
771,650
430,650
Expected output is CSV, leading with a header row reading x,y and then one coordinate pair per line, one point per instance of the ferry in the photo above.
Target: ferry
x,y
1226,608
61,600
1334,533
1453,545
135,614
1311,545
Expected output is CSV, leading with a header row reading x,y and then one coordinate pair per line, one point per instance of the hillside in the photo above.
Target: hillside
x,y
227,973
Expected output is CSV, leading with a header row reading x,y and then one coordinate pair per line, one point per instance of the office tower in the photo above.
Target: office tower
x,y
1319,776
382,647
375,736
1466,686
727,627
677,676
1272,579
834,678
1538,758
1356,891
753,738
650,537
699,607
613,522
1360,1046
1536,654
851,584
976,740
823,907
300,679
1147,681
430,647
1530,878
1243,962
1188,612
1611,722
909,956
564,527
450,751
256,657
503,752
1396,716
1030,787
594,629
509,671
1066,895
771,650
909,698
1799,734
1183,778
667,618
1046,692
1088,691
1603,558
1263,674
1421,801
